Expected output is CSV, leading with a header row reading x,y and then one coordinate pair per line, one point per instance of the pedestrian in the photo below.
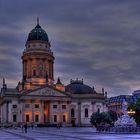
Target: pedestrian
x,y
22,128
25,127
32,125
57,125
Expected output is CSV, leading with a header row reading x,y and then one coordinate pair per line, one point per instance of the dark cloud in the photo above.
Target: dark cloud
x,y
94,39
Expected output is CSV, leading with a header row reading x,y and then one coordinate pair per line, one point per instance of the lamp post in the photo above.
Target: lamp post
x,y
131,112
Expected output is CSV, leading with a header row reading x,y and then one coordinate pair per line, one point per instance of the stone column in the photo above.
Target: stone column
x,y
50,117
79,113
93,108
29,68
49,74
60,112
23,68
42,111
21,110
52,70
32,104
25,72
69,112
47,105
7,111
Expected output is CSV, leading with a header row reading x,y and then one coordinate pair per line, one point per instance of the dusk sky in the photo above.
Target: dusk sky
x,y
97,40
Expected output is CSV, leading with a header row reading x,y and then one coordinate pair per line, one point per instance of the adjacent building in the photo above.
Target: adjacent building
x,y
115,103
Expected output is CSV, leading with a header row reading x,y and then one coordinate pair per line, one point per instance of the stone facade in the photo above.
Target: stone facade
x,y
36,99
44,106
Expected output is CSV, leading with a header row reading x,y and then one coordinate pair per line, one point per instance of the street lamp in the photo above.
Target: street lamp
x,y
131,112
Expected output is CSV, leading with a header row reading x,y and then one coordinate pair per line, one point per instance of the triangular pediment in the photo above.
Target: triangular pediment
x,y
46,91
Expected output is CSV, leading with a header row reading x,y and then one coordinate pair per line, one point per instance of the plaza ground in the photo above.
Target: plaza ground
x,y
64,133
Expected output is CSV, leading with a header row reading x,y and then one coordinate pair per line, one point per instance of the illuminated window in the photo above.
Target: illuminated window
x,y
86,113
64,118
14,118
27,117
36,118
55,118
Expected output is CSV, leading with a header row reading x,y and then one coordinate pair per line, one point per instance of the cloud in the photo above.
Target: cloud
x,y
95,40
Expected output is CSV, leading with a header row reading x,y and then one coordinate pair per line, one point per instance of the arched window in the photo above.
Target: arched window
x,y
98,110
72,113
14,118
34,72
86,113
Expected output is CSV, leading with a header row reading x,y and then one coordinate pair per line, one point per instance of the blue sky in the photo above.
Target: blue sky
x,y
97,40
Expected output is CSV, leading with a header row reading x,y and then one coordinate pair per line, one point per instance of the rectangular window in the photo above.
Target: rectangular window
x,y
55,118
36,118
63,106
86,113
14,118
64,118
27,105
14,106
27,118
54,106
36,105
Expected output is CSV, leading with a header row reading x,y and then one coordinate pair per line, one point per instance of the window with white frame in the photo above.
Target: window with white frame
x,y
36,117
86,112
55,106
55,118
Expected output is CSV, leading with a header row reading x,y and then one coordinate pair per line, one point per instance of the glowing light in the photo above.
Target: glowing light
x,y
131,112
60,87
40,81
66,115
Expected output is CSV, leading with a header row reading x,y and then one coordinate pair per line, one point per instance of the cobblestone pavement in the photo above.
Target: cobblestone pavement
x,y
64,133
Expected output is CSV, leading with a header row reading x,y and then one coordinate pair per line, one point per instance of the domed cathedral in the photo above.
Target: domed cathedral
x,y
37,60
38,100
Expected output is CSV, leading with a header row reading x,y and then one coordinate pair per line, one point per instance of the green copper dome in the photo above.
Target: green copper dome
x,y
38,34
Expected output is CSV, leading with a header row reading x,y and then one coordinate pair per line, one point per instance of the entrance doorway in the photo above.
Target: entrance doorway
x,y
73,122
